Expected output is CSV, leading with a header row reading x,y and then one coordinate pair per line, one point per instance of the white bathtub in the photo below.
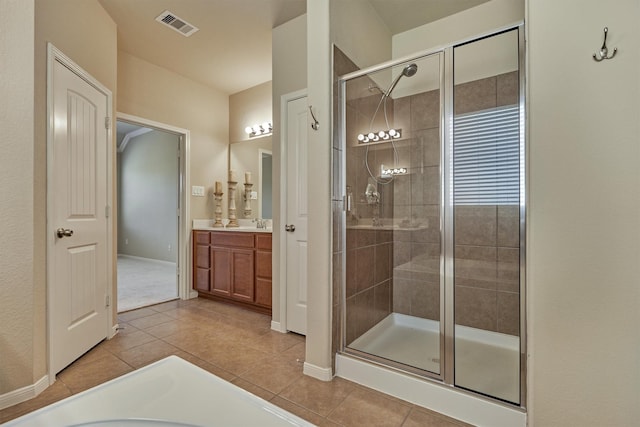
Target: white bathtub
x,y
170,392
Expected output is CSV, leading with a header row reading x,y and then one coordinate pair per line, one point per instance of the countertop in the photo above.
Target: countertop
x,y
245,226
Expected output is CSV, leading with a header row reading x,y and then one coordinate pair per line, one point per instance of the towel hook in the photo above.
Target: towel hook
x,y
604,52
315,125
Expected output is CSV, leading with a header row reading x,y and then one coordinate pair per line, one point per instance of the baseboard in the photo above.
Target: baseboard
x,y
114,331
277,326
23,394
159,261
322,374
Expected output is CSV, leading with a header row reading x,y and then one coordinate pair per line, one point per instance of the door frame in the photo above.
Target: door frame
x,y
53,55
184,210
284,144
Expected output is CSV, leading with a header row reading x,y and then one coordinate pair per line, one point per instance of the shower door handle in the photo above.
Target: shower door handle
x,y
290,228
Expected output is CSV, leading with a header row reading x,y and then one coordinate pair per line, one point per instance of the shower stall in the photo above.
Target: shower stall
x,y
429,167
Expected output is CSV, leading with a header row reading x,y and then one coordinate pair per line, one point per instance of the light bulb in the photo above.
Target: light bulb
x,y
248,129
371,135
360,137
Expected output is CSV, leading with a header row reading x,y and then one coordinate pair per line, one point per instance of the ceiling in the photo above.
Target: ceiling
x,y
231,51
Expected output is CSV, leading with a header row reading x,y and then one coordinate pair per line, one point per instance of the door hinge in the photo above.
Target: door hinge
x,y
107,301
107,211
107,122
178,271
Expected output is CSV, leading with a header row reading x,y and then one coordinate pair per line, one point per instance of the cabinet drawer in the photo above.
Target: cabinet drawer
x,y
240,240
202,256
263,241
201,237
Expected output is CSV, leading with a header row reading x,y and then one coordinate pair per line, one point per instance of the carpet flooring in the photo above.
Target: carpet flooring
x,y
143,282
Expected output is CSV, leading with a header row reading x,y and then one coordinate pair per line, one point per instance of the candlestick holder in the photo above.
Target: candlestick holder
x,y
233,220
247,199
218,210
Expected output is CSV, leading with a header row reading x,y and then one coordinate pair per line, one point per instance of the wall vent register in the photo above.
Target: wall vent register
x,y
178,24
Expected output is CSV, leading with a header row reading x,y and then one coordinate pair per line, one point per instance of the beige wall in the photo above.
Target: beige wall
x,y
583,256
71,25
289,75
154,93
17,286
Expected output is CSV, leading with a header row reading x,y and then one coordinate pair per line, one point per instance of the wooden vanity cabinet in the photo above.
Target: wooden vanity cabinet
x,y
234,267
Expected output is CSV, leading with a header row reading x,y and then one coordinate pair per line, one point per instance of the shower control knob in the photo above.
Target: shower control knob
x,y
290,228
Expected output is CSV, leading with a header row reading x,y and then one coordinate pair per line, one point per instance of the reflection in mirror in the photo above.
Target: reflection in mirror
x,y
247,156
265,183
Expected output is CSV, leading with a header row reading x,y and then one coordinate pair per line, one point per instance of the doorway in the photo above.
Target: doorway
x,y
150,194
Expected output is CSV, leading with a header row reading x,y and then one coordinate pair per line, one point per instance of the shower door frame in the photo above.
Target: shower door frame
x,y
447,294
440,53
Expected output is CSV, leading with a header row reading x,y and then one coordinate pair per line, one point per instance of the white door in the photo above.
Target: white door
x,y
296,220
77,218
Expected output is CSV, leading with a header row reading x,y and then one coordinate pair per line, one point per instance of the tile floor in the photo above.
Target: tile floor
x,y
238,346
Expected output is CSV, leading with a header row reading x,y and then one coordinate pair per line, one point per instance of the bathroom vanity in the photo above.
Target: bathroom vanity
x,y
233,265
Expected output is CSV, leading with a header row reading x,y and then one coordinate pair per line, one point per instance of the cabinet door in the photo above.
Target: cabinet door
x,y
221,271
263,278
242,274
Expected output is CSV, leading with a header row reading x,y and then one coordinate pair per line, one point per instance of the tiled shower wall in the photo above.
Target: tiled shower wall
x,y
487,238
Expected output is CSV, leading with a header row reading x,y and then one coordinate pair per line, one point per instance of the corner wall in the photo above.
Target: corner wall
x,y
17,285
583,254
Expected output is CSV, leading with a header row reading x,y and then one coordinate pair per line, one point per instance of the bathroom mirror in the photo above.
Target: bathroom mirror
x,y
253,155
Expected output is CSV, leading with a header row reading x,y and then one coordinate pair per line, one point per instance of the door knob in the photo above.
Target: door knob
x,y
290,228
62,232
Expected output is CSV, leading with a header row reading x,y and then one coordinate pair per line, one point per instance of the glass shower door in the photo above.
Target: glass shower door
x,y
488,212
393,256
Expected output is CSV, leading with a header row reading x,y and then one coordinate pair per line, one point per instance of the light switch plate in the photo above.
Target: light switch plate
x,y
197,190
254,195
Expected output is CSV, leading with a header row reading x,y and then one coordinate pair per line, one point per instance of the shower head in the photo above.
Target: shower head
x,y
408,71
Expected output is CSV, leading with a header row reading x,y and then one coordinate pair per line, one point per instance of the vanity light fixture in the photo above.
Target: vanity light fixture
x,y
386,172
265,128
381,136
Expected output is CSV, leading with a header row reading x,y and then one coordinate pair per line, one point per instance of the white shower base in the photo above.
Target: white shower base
x,y
410,340
487,362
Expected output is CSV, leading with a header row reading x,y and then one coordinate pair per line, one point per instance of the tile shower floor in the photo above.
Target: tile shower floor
x,y
238,346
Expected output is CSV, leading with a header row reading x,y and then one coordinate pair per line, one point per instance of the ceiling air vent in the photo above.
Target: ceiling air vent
x,y
180,25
